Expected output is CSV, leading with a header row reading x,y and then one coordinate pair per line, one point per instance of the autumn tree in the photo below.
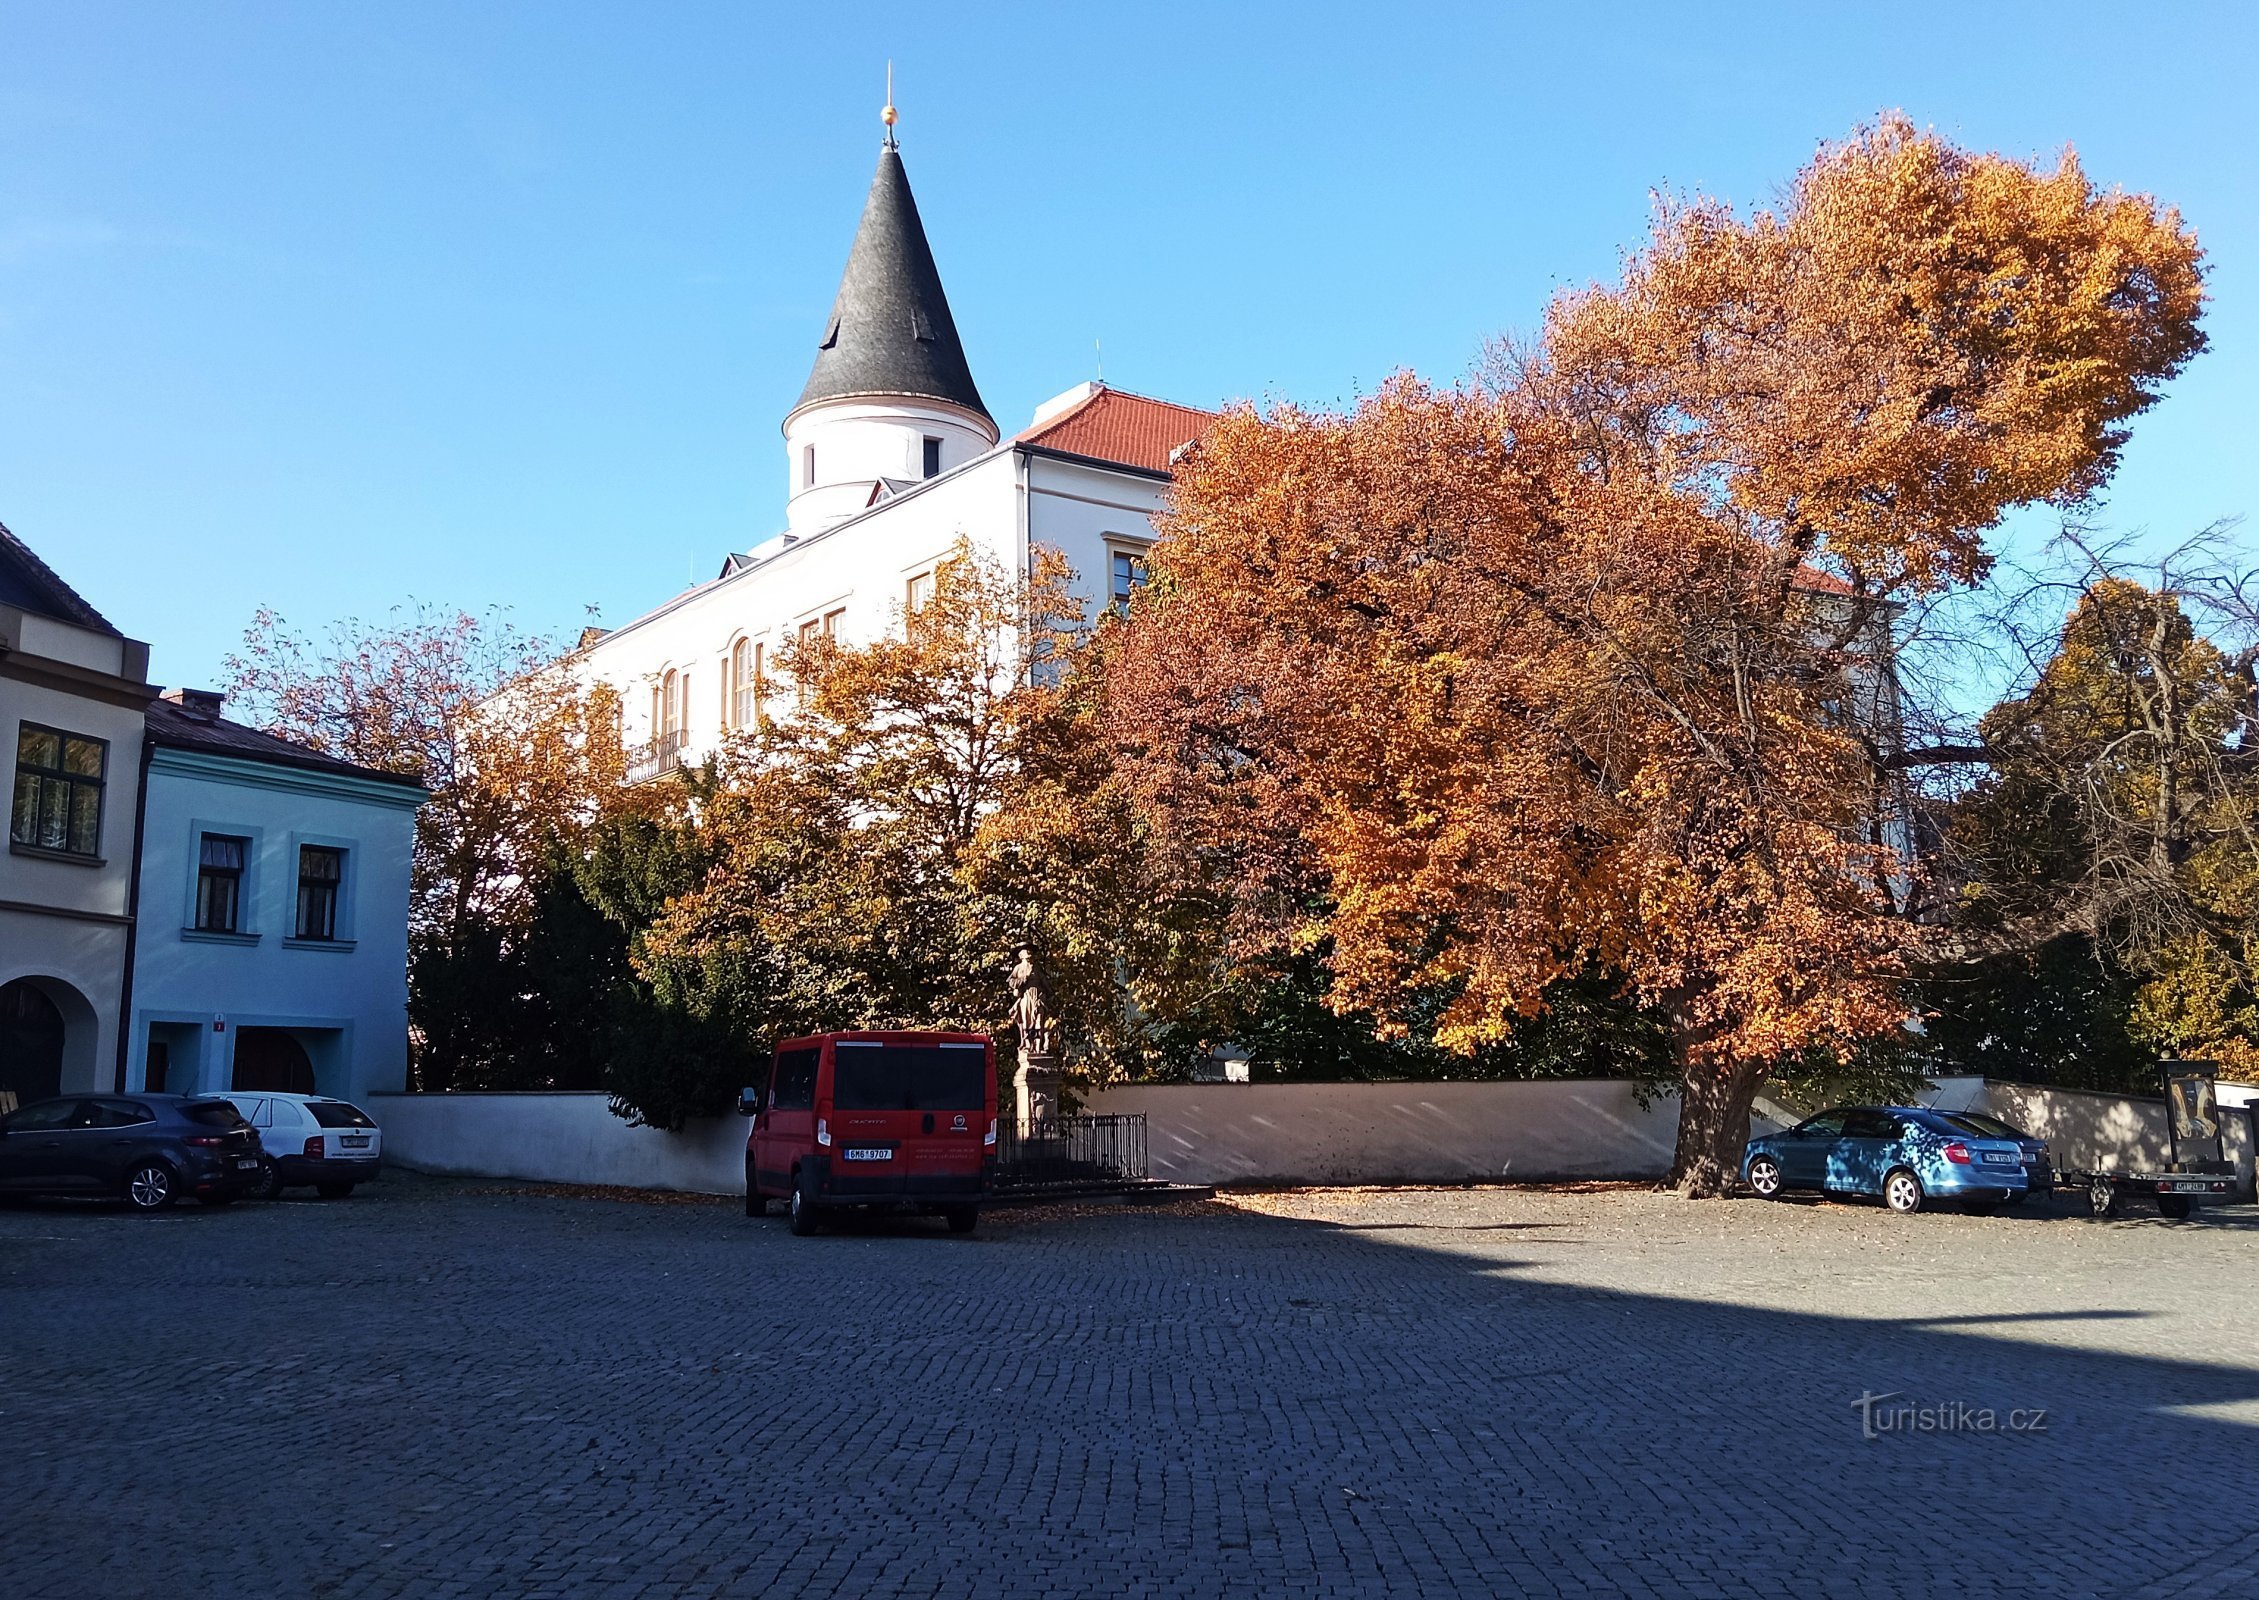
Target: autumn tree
x,y
901,815
1587,667
2118,797
519,759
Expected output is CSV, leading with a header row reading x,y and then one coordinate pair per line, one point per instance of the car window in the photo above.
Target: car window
x,y
795,1082
213,1113
338,1114
42,1115
1871,1125
1828,1124
121,1113
1982,1126
908,1077
252,1110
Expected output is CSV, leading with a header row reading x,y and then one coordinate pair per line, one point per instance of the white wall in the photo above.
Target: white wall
x,y
2083,1129
1397,1132
557,1138
346,1001
863,565
1314,1133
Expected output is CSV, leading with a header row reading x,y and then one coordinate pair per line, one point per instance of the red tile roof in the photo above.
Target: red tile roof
x,y
1129,428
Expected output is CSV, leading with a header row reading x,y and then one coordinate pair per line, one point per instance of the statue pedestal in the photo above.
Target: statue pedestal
x,y
1035,1092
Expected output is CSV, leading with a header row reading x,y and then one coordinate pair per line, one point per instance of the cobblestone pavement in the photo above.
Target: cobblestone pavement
x,y
433,1389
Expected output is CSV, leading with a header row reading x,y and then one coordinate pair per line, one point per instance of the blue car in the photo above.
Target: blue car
x,y
1908,1155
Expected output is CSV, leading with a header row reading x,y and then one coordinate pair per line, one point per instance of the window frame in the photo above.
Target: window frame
x,y
72,782
236,877
929,457
1137,555
343,898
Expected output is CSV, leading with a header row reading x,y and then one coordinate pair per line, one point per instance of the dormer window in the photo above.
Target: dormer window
x,y
932,462
921,326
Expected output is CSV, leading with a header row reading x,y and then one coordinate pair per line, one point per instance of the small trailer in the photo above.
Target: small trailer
x,y
2175,1192
2196,1170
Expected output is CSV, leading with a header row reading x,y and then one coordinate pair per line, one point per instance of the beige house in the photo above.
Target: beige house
x,y
73,694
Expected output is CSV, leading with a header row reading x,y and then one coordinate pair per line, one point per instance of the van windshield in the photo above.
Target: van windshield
x,y
909,1077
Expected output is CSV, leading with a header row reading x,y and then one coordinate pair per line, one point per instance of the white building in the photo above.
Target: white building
x,y
72,691
273,943
894,457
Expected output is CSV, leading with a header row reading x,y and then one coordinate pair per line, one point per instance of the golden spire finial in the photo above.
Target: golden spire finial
x,y
887,115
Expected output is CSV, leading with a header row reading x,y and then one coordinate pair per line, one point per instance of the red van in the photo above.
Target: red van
x,y
894,1119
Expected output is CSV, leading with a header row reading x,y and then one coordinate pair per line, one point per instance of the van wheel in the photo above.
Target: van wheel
x,y
962,1219
803,1204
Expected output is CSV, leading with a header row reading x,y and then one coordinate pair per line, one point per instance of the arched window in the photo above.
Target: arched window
x,y
743,683
670,703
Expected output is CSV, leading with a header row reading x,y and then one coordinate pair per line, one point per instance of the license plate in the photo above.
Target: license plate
x,y
356,1141
867,1153
1997,1158
249,1165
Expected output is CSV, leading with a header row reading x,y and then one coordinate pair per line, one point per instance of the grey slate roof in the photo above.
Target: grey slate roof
x,y
176,729
32,585
890,331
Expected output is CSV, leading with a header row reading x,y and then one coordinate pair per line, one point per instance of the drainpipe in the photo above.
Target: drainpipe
x,y
133,914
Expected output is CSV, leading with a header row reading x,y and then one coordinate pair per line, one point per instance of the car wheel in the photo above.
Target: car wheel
x,y
1902,1192
270,1181
2175,1206
803,1203
333,1191
2102,1198
1765,1178
149,1187
962,1219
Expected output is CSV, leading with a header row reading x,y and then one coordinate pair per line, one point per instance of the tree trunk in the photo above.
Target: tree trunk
x,y
1713,1124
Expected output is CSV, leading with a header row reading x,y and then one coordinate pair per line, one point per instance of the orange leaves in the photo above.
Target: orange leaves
x,y
1592,665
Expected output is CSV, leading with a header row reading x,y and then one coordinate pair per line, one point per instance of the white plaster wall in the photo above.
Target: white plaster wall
x,y
1397,1132
357,997
1083,511
557,1138
858,440
863,565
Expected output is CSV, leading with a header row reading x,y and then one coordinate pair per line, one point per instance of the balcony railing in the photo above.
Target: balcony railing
x,y
661,756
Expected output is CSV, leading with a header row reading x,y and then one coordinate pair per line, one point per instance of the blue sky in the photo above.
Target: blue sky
x,y
326,307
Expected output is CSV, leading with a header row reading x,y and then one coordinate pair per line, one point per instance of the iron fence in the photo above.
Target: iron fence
x,y
1070,1150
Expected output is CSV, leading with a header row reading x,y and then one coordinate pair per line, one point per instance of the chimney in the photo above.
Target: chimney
x,y
200,705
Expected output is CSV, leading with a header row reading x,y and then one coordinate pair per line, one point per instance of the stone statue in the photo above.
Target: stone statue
x,y
1031,1009
1036,1084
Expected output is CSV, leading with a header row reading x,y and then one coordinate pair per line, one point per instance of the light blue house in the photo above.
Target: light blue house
x,y
271,936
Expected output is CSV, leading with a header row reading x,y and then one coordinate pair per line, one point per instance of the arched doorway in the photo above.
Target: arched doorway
x,y
271,1059
31,1042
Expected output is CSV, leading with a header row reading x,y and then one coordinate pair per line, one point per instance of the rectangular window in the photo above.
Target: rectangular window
x,y
933,458
810,632
808,467
321,870
874,1077
1128,577
59,791
793,1087
919,593
831,622
219,883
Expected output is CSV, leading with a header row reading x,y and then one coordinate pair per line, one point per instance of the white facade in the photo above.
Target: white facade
x,y
262,983
852,578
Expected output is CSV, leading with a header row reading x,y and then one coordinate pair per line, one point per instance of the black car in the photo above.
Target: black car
x,y
149,1149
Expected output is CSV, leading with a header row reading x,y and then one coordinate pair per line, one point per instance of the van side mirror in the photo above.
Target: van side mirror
x,y
748,1102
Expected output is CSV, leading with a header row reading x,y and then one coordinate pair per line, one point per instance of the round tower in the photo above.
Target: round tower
x,y
891,399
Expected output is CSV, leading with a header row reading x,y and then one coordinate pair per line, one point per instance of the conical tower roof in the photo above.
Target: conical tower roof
x,y
890,331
